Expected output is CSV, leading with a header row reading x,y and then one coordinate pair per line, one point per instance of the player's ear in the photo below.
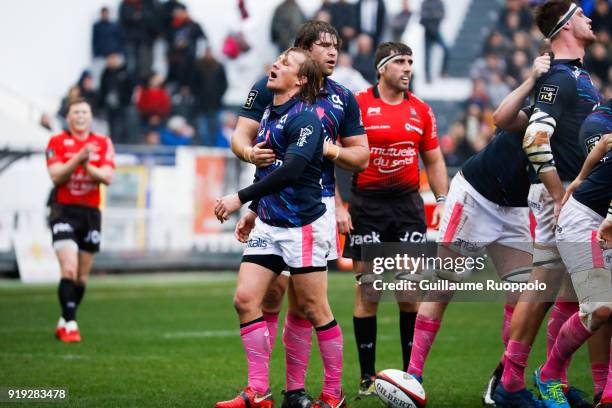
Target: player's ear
x,y
302,81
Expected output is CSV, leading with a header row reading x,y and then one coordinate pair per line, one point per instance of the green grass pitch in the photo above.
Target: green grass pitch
x,y
172,340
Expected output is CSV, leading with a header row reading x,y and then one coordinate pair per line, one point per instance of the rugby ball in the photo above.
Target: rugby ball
x,y
398,389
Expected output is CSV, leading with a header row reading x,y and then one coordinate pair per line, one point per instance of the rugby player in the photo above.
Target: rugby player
x,y
340,116
385,204
292,224
587,200
78,161
563,99
487,210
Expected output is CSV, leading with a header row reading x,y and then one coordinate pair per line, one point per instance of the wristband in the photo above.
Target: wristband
x,y
441,199
337,153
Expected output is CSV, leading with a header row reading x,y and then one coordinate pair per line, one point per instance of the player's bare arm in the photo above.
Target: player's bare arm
x,y
508,115
102,174
244,147
61,172
352,155
598,152
438,179
343,218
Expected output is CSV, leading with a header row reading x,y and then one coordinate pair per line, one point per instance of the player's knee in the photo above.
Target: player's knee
x,y
274,298
365,309
244,302
82,280
595,314
69,270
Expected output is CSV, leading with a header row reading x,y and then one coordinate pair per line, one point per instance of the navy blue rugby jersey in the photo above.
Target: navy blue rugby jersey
x,y
596,190
336,107
292,128
501,171
567,93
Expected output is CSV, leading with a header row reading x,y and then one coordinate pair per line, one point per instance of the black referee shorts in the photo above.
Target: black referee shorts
x,y
76,223
377,220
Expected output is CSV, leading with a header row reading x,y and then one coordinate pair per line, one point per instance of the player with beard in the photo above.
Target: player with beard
x,y
385,203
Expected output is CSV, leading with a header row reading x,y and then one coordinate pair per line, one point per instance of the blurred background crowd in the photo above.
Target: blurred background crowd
x,y
180,102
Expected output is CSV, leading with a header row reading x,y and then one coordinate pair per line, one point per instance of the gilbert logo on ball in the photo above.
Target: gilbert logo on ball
x,y
398,389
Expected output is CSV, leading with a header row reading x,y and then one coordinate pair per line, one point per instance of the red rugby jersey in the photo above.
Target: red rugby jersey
x,y
80,189
396,134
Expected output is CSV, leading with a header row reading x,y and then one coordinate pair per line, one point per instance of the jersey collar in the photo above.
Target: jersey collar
x,y
575,62
282,109
376,93
324,90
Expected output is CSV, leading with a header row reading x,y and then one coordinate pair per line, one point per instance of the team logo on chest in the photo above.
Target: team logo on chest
x,y
335,99
373,111
410,127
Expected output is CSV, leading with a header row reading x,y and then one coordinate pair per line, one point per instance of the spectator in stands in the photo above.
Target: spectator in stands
x,y
229,120
455,148
345,74
364,59
106,36
137,19
184,36
511,24
322,15
177,132
287,19
521,8
209,85
496,43
479,95
432,14
514,68
344,19
598,62
601,19
371,15
74,92
497,90
116,88
399,22
487,66
521,41
152,99
184,104
88,91
152,137
166,12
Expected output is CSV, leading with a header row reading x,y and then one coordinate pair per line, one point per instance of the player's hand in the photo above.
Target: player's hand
x,y
541,65
261,156
245,226
226,206
343,220
438,212
85,152
331,150
608,137
570,190
604,234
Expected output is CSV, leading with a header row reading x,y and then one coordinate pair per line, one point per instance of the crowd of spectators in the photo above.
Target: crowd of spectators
x,y
185,107
507,55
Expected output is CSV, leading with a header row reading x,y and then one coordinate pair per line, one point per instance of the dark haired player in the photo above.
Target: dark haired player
x,y
580,217
385,204
78,161
340,116
563,99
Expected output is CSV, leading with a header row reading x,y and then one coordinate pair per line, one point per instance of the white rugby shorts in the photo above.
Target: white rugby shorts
x,y
471,221
300,247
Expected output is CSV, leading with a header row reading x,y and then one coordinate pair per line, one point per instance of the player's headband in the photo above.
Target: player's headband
x,y
563,20
390,58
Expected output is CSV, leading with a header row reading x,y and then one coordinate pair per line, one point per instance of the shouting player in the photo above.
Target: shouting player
x,y
563,99
385,204
78,161
339,114
576,229
291,223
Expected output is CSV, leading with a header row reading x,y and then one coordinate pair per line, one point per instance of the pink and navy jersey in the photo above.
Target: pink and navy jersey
x,y
567,94
336,107
596,190
292,128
